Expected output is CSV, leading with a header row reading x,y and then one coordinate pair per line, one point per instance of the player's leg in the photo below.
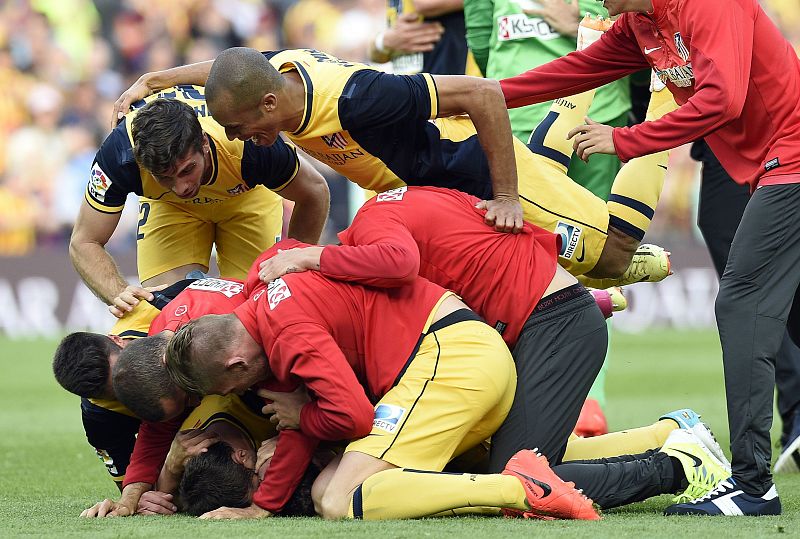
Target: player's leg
x,y
171,240
557,357
756,293
722,203
458,387
631,205
246,226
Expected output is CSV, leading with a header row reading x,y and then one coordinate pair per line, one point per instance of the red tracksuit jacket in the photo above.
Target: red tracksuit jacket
x,y
735,76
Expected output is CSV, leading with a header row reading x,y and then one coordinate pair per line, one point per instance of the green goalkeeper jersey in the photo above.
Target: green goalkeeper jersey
x,y
505,42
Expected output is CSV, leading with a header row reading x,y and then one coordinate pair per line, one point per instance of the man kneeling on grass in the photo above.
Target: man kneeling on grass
x,y
443,381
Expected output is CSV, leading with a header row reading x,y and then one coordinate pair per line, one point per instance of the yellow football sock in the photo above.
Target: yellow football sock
x,y
404,493
637,187
625,442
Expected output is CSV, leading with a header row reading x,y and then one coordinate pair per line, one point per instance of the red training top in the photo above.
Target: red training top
x,y
440,235
204,296
735,76
347,343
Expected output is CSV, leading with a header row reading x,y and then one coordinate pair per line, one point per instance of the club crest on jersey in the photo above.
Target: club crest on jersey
x,y
387,417
336,140
392,194
569,235
277,291
98,183
180,311
227,288
680,46
520,26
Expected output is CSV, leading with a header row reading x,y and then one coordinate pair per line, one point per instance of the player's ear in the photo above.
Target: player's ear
x,y
206,144
119,341
269,102
240,456
235,363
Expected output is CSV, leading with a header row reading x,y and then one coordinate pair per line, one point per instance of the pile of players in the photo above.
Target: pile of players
x,y
376,375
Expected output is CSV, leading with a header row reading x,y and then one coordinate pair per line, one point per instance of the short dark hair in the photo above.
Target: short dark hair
x,y
243,76
141,380
81,365
213,479
164,131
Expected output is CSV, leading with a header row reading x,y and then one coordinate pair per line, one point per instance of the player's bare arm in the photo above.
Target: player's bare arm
x,y
125,507
96,266
483,100
149,83
312,199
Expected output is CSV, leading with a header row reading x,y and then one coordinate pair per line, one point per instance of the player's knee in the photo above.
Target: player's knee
x,y
333,506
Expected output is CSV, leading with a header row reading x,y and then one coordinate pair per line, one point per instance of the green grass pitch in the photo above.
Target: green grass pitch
x,y
48,474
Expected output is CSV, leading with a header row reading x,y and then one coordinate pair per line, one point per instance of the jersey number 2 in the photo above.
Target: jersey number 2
x,y
144,213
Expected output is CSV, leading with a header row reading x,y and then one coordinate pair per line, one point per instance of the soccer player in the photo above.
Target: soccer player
x,y
141,407
550,322
192,182
329,107
333,337
82,365
443,381
735,78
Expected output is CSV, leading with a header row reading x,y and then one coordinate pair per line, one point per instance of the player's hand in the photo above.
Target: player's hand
x,y
591,138
561,15
138,90
264,455
188,444
411,34
289,261
107,508
253,511
503,213
129,298
154,502
285,407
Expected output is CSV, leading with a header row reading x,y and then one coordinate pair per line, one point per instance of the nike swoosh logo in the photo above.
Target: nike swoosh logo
x,y
583,252
662,166
648,51
542,485
697,462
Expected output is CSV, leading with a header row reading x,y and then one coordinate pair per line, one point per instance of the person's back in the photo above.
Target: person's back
x,y
375,329
501,276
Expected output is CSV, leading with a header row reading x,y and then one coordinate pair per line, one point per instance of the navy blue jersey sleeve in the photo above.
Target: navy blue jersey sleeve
x,y
114,173
112,434
272,166
373,98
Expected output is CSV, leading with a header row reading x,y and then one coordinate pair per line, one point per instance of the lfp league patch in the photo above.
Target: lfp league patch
x,y
387,417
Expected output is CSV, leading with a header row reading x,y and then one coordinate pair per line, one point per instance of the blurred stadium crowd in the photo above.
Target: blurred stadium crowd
x,y
64,62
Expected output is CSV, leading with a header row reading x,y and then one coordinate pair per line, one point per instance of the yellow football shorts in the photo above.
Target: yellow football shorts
x,y
171,235
455,392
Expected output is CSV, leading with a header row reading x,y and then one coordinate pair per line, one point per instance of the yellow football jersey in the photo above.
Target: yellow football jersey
x,y
231,409
237,166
